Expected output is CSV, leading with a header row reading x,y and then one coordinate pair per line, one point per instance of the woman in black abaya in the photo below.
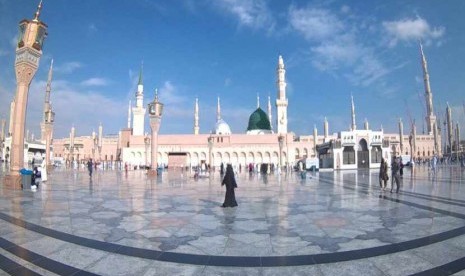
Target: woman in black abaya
x,y
230,182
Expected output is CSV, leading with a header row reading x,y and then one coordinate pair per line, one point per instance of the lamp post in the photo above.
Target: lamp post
x,y
281,143
155,113
31,36
94,145
49,119
100,142
147,144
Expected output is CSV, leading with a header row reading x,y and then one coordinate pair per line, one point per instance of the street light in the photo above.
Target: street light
x,y
155,113
94,144
210,147
147,143
281,144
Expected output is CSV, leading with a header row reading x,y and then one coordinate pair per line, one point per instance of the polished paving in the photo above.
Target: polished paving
x,y
332,223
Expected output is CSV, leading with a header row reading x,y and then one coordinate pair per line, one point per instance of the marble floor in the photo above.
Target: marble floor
x,y
331,223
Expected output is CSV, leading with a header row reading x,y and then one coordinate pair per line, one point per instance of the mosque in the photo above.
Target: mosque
x,y
260,144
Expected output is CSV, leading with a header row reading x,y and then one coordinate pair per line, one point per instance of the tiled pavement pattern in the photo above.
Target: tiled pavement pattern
x,y
332,223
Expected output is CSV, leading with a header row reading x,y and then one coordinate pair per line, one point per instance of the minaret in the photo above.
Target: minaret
x,y
325,130
430,117
218,110
414,140
354,125
269,112
449,127
139,111
281,101
100,136
315,140
12,110
436,138
129,114
401,135
457,137
31,37
48,89
71,142
367,127
196,117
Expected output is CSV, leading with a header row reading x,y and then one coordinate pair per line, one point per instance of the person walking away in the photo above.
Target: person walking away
x,y
222,168
434,162
395,168
90,166
230,182
383,174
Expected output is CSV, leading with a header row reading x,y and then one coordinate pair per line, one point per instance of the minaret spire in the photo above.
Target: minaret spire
x,y
37,14
449,127
218,110
141,73
269,112
325,130
48,88
138,111
196,117
47,105
281,100
354,125
430,117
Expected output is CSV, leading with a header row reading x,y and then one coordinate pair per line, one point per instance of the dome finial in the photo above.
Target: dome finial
x,y
218,110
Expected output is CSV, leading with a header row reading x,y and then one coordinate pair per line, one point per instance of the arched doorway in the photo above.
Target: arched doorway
x,y
363,157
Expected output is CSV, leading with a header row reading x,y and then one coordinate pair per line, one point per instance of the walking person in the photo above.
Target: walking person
x,y
230,181
90,166
383,174
395,171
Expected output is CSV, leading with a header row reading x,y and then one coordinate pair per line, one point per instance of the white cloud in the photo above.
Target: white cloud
x,y
335,45
315,24
250,13
95,82
68,67
168,94
79,107
411,30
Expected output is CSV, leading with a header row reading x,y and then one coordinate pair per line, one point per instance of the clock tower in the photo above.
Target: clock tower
x,y
28,52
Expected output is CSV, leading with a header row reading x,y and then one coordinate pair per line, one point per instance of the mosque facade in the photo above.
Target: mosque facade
x,y
351,149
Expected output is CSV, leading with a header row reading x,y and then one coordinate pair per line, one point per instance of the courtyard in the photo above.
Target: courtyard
x,y
331,223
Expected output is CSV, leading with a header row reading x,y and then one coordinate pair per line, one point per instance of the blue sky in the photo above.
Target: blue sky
x,y
230,48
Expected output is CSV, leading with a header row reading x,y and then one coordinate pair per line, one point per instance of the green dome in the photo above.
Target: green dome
x,y
259,121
